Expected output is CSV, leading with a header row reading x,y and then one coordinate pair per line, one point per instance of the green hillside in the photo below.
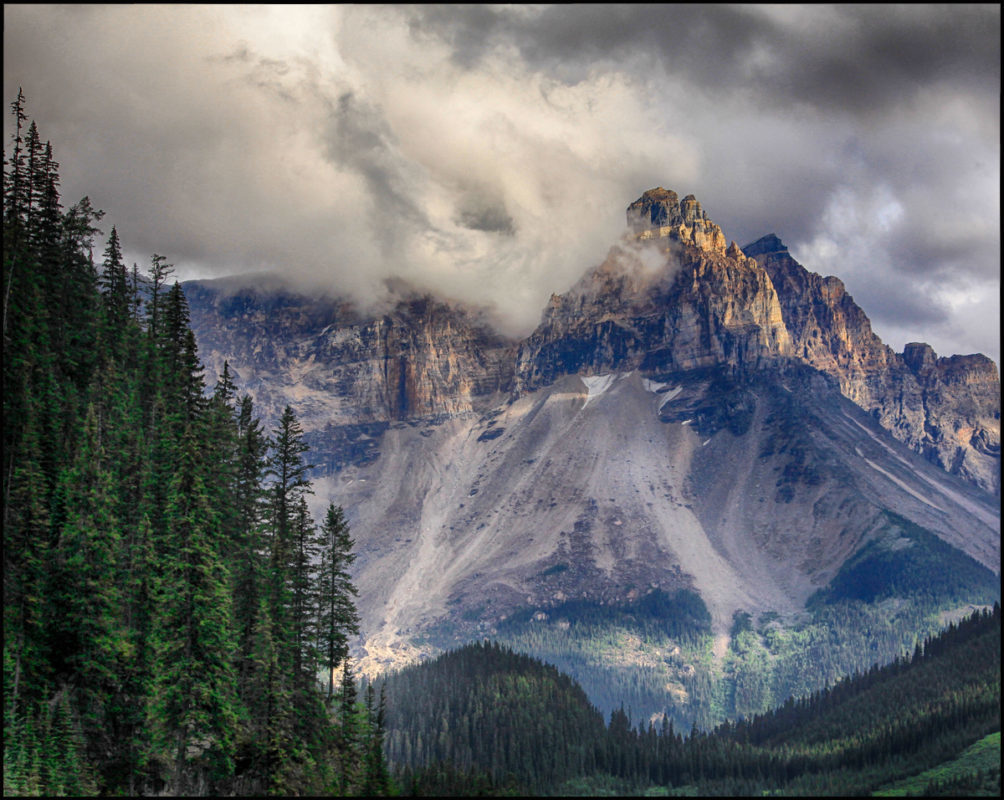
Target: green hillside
x,y
512,721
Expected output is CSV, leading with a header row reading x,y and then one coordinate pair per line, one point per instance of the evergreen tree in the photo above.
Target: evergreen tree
x,y
349,738
194,714
86,598
377,778
337,616
288,493
160,588
116,296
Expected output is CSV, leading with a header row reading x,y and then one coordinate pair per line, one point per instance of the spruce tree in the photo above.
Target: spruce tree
x,y
194,714
116,296
86,597
160,591
337,618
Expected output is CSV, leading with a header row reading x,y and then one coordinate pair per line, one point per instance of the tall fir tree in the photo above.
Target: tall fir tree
x,y
194,713
337,619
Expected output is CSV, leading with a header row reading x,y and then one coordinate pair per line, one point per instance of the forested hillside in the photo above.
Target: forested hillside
x,y
169,603
485,718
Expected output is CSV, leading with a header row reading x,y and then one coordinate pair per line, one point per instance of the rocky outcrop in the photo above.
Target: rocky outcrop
x,y
671,297
683,303
658,214
421,358
948,409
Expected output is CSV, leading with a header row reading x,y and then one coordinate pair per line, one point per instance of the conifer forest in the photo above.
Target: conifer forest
x,y
168,600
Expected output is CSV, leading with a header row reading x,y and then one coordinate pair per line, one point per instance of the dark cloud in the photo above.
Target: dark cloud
x,y
483,213
359,139
853,58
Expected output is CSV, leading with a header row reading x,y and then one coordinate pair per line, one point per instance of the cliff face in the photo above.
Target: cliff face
x,y
671,297
688,415
659,214
947,409
420,358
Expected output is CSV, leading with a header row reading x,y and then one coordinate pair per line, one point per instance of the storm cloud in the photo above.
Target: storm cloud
x,y
489,152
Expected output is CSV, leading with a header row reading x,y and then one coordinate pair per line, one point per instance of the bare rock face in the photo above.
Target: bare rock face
x,y
669,298
689,415
658,214
665,299
348,373
947,409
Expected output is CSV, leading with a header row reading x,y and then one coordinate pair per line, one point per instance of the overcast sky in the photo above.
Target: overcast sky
x,y
490,152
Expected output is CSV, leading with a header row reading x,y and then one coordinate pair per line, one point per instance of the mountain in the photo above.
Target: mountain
x,y
689,417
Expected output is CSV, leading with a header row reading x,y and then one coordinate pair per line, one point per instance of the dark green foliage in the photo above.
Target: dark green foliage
x,y
741,623
681,614
445,780
904,560
578,636
337,619
160,593
484,709
493,710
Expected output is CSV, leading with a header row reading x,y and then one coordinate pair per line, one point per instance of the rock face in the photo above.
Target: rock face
x,y
669,298
348,374
947,409
660,214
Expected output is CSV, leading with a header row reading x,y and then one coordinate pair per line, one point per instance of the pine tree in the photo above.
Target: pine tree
x,y
250,559
26,533
290,486
160,589
86,597
160,271
377,778
302,593
116,297
337,616
194,714
349,738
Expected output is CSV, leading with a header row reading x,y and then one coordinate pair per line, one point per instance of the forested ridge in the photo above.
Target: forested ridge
x,y
175,622
485,719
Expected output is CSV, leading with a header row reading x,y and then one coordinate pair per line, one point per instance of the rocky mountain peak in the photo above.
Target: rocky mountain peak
x,y
948,409
919,356
659,214
655,208
765,244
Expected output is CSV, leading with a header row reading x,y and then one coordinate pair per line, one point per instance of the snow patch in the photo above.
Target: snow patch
x,y
597,385
902,485
655,388
669,396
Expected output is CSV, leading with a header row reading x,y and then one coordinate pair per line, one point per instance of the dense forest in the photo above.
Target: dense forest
x,y
483,719
175,622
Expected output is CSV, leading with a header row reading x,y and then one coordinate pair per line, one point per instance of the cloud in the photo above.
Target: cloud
x,y
489,152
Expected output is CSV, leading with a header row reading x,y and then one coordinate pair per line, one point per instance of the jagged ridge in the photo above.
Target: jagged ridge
x,y
947,409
